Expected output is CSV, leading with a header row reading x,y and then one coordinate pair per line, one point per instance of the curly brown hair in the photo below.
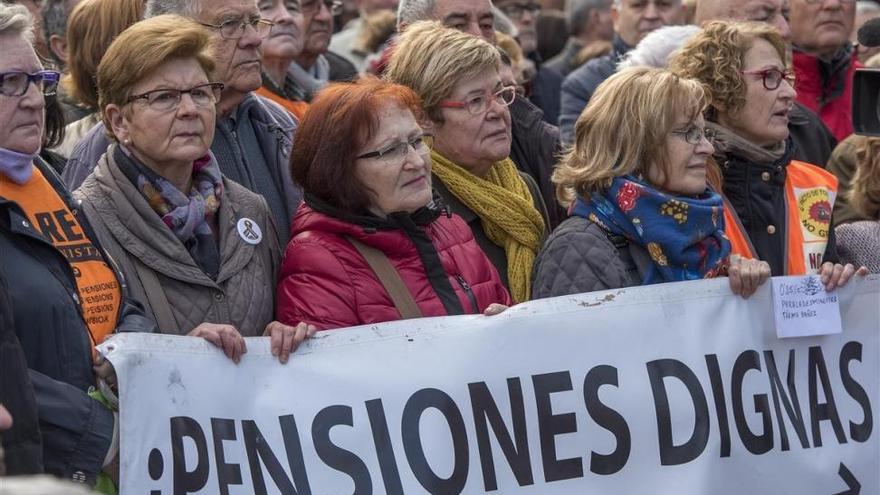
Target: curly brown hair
x,y
715,57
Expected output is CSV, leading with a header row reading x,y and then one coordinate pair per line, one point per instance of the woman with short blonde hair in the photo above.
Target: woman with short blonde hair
x,y
457,77
608,146
636,182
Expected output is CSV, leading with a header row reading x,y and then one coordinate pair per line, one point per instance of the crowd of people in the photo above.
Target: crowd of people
x,y
236,168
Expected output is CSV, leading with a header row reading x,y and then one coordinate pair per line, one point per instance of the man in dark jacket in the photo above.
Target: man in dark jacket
x,y
632,20
535,143
825,60
813,142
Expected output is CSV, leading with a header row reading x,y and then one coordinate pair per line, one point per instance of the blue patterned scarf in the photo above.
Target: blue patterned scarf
x,y
684,236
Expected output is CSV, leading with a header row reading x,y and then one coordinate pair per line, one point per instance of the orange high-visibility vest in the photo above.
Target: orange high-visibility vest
x,y
809,199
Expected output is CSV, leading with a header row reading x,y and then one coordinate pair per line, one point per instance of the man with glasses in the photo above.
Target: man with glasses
x,y
316,65
813,141
253,136
825,60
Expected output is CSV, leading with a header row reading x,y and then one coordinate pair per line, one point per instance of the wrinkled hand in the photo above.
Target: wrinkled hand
x,y
495,309
746,275
286,339
226,337
105,371
834,275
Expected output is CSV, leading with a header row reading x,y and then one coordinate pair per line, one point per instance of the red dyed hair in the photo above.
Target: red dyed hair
x,y
339,121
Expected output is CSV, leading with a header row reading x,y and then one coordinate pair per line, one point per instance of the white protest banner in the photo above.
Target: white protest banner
x,y
672,389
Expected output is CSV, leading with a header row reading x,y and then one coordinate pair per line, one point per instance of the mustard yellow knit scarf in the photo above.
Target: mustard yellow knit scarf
x,y
506,209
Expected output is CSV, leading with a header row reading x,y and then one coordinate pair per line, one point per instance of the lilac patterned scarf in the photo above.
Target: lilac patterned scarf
x,y
188,216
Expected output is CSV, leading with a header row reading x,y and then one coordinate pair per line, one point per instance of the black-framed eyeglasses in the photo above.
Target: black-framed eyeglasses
x,y
15,83
309,7
165,100
479,104
234,29
394,154
772,78
693,134
516,10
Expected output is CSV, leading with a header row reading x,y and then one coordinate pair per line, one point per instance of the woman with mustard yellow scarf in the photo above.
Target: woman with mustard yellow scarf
x,y
457,77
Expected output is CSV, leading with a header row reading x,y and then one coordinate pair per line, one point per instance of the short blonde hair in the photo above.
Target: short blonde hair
x,y
864,193
145,46
432,60
715,57
624,129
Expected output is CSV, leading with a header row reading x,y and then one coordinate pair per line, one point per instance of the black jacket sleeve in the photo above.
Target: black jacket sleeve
x,y
77,430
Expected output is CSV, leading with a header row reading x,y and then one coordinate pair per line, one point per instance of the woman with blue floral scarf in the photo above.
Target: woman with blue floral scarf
x,y
638,185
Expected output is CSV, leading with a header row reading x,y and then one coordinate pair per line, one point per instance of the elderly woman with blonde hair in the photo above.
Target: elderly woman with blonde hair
x,y
457,77
778,209
199,250
642,209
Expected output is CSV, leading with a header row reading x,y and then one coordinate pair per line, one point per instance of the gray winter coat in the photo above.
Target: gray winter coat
x,y
162,273
579,257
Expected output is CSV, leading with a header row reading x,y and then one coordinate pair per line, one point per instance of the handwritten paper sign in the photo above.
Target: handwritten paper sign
x,y
802,307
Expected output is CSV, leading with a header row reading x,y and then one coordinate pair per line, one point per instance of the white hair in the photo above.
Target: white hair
x,y
410,11
656,47
15,20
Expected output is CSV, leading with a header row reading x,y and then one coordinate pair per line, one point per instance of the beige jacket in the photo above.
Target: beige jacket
x,y
159,269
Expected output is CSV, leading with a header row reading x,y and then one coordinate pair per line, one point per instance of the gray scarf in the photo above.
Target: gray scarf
x,y
729,142
312,79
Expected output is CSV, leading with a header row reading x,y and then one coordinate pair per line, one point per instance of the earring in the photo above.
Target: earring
x,y
126,141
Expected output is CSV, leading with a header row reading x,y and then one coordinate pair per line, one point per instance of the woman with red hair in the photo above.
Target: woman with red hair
x,y
371,243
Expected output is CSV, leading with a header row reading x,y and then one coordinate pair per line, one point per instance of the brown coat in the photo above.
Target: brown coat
x,y
151,256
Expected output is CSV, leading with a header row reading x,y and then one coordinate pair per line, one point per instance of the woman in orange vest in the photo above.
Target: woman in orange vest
x,y
777,209
284,42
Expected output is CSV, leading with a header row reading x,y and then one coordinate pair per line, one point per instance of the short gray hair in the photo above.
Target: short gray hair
x,y
410,11
576,12
183,8
15,20
657,46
